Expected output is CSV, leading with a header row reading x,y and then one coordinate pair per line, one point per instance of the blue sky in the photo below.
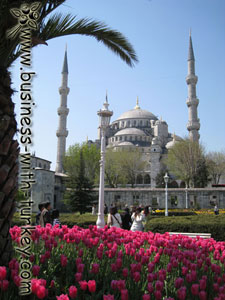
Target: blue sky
x,y
159,32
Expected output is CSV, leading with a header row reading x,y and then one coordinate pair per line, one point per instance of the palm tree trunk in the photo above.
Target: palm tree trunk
x,y
9,152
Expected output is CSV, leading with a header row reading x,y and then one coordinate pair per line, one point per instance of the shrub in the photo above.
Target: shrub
x,y
199,223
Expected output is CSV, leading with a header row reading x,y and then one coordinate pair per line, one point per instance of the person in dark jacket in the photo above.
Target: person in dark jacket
x,y
45,215
126,219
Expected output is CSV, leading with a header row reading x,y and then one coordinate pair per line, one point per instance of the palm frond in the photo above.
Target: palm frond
x,y
59,25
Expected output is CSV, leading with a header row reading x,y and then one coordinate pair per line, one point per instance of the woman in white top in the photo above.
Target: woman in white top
x,y
114,218
137,219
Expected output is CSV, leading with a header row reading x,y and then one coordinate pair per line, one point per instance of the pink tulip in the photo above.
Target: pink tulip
x,y
92,286
124,295
108,297
83,285
5,285
78,277
72,292
35,270
3,273
125,272
146,297
195,289
62,297
181,293
202,295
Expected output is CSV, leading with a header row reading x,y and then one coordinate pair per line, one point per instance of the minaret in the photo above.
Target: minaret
x,y
63,111
192,100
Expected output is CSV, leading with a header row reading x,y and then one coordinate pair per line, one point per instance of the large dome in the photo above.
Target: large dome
x,y
137,114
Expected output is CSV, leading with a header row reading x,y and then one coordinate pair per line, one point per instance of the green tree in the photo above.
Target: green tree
x,y
113,171
216,165
91,155
49,27
184,161
79,189
201,178
123,166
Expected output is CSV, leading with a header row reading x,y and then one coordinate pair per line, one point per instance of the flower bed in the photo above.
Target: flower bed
x,y
113,263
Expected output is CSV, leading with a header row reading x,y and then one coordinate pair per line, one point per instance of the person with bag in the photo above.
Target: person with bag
x,y
114,218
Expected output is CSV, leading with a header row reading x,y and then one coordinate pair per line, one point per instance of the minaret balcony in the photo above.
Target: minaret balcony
x,y
192,102
192,79
64,90
193,125
61,133
63,111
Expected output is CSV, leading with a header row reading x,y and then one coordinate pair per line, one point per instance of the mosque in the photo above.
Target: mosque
x,y
135,129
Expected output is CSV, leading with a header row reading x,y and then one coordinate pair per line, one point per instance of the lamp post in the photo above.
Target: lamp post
x,y
104,119
186,194
166,179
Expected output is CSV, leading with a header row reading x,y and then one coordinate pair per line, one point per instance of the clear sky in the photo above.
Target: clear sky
x,y
159,32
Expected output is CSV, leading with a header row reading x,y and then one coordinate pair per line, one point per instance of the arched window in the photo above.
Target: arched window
x,y
125,138
182,184
128,123
40,165
134,122
147,179
173,184
141,123
139,179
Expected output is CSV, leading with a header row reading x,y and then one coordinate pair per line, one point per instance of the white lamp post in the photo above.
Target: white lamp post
x,y
166,179
186,192
104,119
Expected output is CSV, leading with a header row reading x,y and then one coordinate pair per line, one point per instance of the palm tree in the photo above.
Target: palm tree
x,y
49,27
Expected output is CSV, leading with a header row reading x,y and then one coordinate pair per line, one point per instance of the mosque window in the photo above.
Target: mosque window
x,y
128,123
123,124
134,122
141,123
120,138
125,138
40,165
116,138
44,166
147,123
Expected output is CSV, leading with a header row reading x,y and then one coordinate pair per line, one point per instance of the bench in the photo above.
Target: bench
x,y
192,235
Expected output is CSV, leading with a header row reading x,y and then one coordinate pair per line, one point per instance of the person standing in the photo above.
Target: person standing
x,y
55,217
137,218
126,219
45,215
216,210
114,218
93,211
38,215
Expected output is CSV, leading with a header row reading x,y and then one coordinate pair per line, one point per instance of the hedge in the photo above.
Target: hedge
x,y
197,224
69,219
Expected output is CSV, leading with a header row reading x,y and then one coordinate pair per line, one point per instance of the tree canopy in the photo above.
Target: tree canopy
x,y
186,160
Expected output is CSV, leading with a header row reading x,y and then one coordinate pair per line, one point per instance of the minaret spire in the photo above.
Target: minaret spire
x,y
63,111
193,125
137,104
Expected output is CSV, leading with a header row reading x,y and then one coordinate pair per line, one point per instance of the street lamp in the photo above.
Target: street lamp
x,y
104,120
186,192
166,179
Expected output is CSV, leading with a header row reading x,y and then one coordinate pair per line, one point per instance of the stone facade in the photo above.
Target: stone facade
x,y
200,198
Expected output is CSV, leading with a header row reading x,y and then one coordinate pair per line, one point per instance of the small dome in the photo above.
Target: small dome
x,y
175,140
130,131
137,114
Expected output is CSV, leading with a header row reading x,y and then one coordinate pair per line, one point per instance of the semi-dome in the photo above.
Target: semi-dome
x,y
130,131
124,144
137,114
